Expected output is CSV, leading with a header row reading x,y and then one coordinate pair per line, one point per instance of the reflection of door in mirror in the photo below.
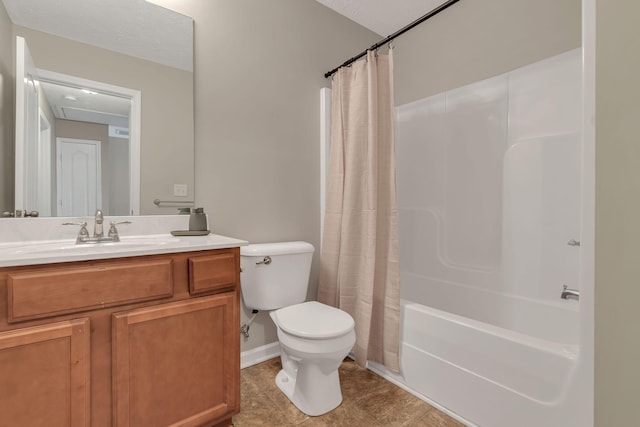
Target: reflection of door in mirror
x,y
78,176
62,106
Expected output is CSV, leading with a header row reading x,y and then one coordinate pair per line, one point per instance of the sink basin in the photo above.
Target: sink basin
x,y
69,247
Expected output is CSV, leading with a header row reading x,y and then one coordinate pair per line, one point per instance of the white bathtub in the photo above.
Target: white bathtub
x,y
486,375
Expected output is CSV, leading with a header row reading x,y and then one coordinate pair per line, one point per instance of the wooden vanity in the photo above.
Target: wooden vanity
x,y
141,341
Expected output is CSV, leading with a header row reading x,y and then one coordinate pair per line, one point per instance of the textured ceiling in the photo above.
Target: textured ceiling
x,y
132,27
382,16
148,31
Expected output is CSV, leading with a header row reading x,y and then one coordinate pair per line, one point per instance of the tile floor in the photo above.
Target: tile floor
x,y
368,401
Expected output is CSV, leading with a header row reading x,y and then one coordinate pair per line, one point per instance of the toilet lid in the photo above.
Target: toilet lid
x,y
314,320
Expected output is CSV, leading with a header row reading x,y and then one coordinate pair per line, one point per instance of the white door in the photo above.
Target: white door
x,y
78,177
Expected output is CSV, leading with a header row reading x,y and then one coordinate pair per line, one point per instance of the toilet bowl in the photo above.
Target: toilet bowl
x,y
314,338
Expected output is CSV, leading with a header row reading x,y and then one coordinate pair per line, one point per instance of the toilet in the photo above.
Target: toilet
x,y
314,338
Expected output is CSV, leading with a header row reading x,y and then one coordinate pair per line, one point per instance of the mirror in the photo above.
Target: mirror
x,y
77,143
156,163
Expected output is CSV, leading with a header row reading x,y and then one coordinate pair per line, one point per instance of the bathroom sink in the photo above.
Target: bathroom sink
x,y
67,246
33,241
66,250
71,246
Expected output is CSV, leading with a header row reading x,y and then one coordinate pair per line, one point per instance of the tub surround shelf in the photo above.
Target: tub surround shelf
x,y
97,338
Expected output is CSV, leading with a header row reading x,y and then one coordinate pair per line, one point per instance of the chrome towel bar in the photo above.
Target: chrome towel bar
x,y
163,203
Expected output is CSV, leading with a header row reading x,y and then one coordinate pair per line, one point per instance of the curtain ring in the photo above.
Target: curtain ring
x,y
390,46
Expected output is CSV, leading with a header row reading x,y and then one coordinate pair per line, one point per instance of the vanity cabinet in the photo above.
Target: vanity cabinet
x,y
183,383
141,341
45,375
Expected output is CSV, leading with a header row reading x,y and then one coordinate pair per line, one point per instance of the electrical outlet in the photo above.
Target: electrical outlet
x,y
180,190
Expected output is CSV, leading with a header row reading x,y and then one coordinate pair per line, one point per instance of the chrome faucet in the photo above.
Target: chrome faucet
x,y
98,231
569,293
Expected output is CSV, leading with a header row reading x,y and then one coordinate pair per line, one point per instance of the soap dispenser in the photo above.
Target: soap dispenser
x,y
197,220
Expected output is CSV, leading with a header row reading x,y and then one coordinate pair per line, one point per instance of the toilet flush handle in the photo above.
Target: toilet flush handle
x,y
266,260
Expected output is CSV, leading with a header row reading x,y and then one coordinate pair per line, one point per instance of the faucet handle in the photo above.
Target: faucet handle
x,y
81,223
83,233
113,231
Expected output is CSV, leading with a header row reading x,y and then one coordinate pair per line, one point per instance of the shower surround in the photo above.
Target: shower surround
x,y
489,198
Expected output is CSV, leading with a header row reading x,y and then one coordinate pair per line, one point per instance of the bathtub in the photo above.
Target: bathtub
x,y
487,375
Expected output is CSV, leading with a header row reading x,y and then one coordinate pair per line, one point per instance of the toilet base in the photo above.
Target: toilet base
x,y
314,398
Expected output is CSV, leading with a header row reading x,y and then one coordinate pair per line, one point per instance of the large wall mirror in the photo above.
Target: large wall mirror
x,y
104,107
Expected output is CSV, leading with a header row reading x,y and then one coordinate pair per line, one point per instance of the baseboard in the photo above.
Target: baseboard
x,y
259,354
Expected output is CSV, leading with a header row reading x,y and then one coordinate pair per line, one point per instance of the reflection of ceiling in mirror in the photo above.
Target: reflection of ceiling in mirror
x,y
70,103
132,27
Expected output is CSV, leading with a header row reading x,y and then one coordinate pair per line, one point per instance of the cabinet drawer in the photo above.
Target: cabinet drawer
x,y
213,272
43,292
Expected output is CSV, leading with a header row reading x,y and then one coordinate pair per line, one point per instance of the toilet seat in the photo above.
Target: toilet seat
x,y
313,320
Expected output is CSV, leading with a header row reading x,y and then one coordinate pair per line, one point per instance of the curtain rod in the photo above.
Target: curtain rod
x,y
401,31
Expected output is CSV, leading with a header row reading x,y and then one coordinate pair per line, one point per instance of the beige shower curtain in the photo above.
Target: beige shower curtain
x,y
359,262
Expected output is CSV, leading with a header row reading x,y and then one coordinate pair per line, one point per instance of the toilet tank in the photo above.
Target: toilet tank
x,y
275,275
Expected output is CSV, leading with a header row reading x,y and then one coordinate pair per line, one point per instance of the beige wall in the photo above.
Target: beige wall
x,y
259,68
167,107
118,176
617,270
7,77
474,40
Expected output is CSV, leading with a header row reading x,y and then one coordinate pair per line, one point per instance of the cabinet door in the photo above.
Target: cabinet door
x,y
44,375
177,364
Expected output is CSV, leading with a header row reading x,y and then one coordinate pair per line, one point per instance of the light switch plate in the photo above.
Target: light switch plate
x,y
180,190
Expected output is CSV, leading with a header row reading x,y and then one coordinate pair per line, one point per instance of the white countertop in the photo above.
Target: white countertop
x,y
152,237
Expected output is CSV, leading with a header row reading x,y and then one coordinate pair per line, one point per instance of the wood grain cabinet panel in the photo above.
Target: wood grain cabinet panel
x,y
214,272
46,292
177,364
160,344
44,374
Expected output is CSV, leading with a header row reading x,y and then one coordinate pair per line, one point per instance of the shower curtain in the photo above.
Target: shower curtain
x,y
359,261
